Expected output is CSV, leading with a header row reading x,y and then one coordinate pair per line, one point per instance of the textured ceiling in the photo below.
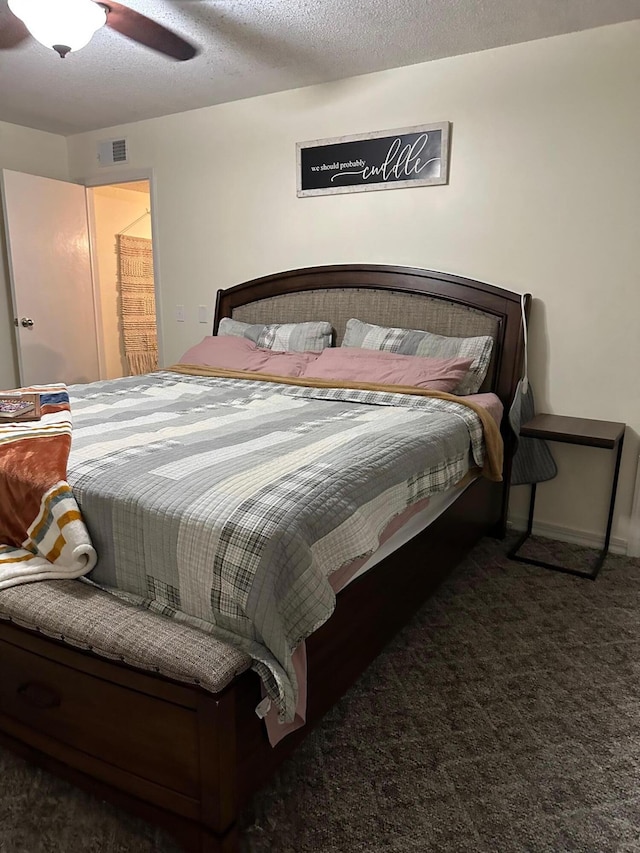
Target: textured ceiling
x,y
252,47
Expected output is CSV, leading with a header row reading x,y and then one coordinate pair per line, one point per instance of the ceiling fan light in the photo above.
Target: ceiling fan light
x,y
65,25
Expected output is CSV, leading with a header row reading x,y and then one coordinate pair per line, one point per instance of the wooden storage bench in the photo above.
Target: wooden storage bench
x,y
132,732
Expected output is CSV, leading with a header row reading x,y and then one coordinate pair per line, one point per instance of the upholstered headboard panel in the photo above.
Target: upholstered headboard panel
x,y
383,307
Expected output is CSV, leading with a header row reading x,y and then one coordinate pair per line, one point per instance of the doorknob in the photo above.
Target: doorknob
x,y
27,322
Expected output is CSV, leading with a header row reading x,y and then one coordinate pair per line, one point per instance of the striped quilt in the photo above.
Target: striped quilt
x,y
228,503
42,534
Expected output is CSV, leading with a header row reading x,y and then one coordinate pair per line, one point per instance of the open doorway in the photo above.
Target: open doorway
x,y
122,249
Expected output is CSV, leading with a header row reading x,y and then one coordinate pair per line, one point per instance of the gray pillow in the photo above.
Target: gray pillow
x,y
426,344
281,337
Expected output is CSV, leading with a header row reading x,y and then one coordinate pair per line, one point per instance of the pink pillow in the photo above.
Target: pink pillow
x,y
234,353
388,368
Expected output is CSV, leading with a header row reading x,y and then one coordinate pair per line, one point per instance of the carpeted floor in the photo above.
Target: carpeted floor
x,y
505,718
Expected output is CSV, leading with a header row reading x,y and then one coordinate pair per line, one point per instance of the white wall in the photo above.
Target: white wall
x,y
544,196
22,150
114,208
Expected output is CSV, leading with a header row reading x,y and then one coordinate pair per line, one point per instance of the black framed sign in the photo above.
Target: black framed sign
x,y
384,160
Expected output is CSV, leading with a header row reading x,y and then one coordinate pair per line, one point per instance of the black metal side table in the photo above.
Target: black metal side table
x,y
592,433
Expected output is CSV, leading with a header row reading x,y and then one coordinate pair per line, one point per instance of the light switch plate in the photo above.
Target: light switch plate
x,y
180,313
202,313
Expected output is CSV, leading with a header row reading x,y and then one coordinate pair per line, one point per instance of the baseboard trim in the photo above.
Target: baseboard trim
x,y
617,545
633,548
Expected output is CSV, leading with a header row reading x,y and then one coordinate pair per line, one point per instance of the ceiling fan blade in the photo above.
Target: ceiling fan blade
x,y
139,28
12,31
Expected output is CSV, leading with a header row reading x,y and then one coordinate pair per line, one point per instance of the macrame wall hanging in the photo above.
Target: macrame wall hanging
x,y
137,303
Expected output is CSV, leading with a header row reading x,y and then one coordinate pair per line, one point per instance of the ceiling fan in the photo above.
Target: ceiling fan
x,y
68,25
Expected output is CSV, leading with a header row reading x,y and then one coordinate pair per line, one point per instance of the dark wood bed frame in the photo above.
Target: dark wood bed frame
x,y
192,759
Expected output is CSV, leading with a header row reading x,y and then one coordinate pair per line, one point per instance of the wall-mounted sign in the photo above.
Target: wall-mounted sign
x,y
388,159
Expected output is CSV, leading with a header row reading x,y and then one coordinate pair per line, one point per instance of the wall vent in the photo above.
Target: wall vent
x,y
112,152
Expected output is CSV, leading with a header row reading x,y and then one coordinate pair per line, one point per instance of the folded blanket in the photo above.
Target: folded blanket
x,y
42,534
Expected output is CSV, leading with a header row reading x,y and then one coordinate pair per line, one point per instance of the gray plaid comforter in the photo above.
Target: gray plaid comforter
x,y
228,503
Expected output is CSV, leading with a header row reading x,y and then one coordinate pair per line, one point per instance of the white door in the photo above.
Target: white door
x,y
51,281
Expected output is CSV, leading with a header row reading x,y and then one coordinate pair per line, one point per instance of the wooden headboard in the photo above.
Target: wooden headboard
x,y
404,297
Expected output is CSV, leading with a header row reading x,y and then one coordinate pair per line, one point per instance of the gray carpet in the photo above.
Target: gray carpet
x,y
506,717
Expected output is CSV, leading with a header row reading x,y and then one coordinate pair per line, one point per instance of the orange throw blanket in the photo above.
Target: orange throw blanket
x,y
42,534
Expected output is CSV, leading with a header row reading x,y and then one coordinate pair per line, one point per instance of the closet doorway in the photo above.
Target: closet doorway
x,y
124,286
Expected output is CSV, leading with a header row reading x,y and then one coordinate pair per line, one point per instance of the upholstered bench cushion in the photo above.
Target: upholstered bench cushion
x,y
91,619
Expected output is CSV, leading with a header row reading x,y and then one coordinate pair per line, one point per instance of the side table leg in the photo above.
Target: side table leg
x,y
614,488
612,503
532,503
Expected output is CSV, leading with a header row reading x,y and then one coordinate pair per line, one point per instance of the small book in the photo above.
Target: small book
x,y
19,407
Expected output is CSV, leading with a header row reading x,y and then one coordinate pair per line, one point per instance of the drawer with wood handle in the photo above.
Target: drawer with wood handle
x,y
129,732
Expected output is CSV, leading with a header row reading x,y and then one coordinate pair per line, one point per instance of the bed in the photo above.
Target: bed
x,y
164,724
